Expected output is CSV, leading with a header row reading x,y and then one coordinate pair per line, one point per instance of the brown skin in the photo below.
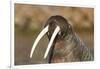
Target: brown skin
x,y
67,47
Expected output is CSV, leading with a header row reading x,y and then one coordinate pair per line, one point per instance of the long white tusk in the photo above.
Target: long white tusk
x,y
51,40
37,40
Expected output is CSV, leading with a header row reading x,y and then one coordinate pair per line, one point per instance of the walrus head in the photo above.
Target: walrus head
x,y
56,28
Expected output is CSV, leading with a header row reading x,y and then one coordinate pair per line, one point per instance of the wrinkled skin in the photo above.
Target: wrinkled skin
x,y
67,46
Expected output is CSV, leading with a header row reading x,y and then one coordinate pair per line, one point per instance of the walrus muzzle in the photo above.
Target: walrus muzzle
x,y
42,33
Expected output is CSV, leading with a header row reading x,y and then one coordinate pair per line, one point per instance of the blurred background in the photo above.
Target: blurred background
x,y
30,19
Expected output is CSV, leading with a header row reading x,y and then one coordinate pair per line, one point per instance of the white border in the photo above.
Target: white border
x,y
4,34
12,35
75,3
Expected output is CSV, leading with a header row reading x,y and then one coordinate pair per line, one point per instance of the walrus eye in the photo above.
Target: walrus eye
x,y
48,33
59,33
69,26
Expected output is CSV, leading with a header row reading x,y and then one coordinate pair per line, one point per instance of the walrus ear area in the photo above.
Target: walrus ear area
x,y
66,30
70,29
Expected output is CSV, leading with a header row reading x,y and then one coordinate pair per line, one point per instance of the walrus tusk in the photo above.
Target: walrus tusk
x,y
42,33
51,40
